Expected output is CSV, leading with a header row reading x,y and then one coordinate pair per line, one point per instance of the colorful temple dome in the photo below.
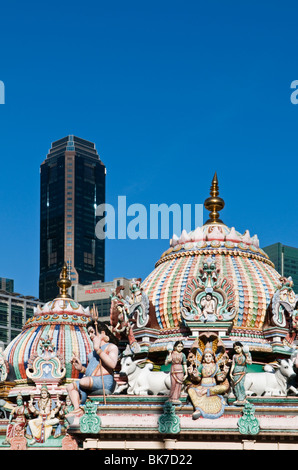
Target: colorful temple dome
x,y
216,259
63,321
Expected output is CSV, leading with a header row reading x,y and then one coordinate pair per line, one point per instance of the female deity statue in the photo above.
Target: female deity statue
x,y
238,371
178,371
40,428
208,373
17,420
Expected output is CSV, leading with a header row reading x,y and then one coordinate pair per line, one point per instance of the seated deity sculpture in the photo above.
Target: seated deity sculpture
x,y
208,376
209,305
45,409
98,376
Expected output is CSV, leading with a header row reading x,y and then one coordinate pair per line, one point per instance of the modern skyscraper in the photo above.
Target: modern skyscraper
x,y
285,259
72,184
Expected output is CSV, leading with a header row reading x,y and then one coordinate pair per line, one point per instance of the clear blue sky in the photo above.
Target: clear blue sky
x,y
170,92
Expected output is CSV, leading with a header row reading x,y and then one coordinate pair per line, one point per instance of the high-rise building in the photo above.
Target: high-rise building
x,y
6,284
72,185
285,259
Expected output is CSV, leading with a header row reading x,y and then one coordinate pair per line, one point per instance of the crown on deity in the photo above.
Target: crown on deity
x,y
208,349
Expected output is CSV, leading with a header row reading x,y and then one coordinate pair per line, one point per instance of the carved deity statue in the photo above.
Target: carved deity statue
x,y
45,409
178,371
208,377
98,376
209,306
241,359
284,304
17,420
129,313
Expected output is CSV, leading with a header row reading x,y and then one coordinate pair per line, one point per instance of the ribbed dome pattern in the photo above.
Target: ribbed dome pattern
x,y
239,259
64,321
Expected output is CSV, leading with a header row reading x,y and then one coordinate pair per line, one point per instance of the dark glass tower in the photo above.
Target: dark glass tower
x,y
72,184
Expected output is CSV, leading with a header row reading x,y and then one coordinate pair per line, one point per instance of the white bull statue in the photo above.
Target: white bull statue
x,y
143,381
274,381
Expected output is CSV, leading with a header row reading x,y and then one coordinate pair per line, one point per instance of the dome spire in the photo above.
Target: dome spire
x,y
64,283
214,203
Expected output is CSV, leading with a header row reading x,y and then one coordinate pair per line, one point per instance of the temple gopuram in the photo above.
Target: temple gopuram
x,y
201,355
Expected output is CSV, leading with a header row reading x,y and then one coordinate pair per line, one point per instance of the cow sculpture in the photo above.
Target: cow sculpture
x,y
142,380
274,381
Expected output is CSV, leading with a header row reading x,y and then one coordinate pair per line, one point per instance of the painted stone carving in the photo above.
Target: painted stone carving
x,y
241,359
142,380
276,380
4,366
179,372
17,421
208,297
129,313
69,443
138,304
169,422
45,409
46,364
90,422
208,375
98,376
284,304
248,423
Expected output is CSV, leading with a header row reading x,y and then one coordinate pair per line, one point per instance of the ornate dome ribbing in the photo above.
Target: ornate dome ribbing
x,y
64,321
238,259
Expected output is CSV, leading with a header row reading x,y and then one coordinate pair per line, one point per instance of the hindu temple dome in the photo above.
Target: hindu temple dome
x,y
229,266
64,321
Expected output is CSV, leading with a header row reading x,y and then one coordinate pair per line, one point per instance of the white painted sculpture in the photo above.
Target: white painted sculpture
x,y
143,381
276,380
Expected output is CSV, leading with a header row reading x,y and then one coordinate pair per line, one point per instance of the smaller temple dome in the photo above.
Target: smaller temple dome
x,y
63,321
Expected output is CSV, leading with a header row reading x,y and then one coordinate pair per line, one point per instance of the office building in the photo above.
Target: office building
x,y
6,284
15,309
72,185
98,294
285,259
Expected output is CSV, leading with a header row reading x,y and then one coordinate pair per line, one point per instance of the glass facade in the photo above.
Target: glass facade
x,y
103,306
285,259
4,314
72,182
6,284
15,310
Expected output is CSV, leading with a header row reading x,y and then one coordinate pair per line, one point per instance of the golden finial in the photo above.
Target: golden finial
x,y
214,203
64,283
